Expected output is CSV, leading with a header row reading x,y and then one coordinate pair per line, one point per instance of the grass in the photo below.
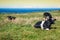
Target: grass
x,y
22,28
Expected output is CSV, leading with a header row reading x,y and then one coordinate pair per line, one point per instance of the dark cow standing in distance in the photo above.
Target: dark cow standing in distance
x,y
46,24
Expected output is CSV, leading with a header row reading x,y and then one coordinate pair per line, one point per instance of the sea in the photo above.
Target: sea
x,y
26,10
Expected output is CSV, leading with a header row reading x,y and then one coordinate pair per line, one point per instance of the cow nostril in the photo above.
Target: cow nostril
x,y
54,19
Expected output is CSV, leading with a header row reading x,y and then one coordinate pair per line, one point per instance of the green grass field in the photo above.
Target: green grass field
x,y
22,27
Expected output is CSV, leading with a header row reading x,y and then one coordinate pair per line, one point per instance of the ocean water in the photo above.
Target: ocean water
x,y
26,10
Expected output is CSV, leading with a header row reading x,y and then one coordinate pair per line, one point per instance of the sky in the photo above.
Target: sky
x,y
29,3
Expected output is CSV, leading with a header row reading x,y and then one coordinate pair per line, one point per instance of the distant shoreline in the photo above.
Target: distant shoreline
x,y
27,10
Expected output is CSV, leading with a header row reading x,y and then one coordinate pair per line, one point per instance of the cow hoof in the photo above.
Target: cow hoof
x,y
47,29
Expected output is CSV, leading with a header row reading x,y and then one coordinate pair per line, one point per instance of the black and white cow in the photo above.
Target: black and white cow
x,y
46,24
11,17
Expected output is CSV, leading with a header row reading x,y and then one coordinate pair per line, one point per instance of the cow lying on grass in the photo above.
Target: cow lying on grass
x,y
46,24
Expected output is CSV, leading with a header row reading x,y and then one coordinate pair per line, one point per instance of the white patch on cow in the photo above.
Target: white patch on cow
x,y
42,25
